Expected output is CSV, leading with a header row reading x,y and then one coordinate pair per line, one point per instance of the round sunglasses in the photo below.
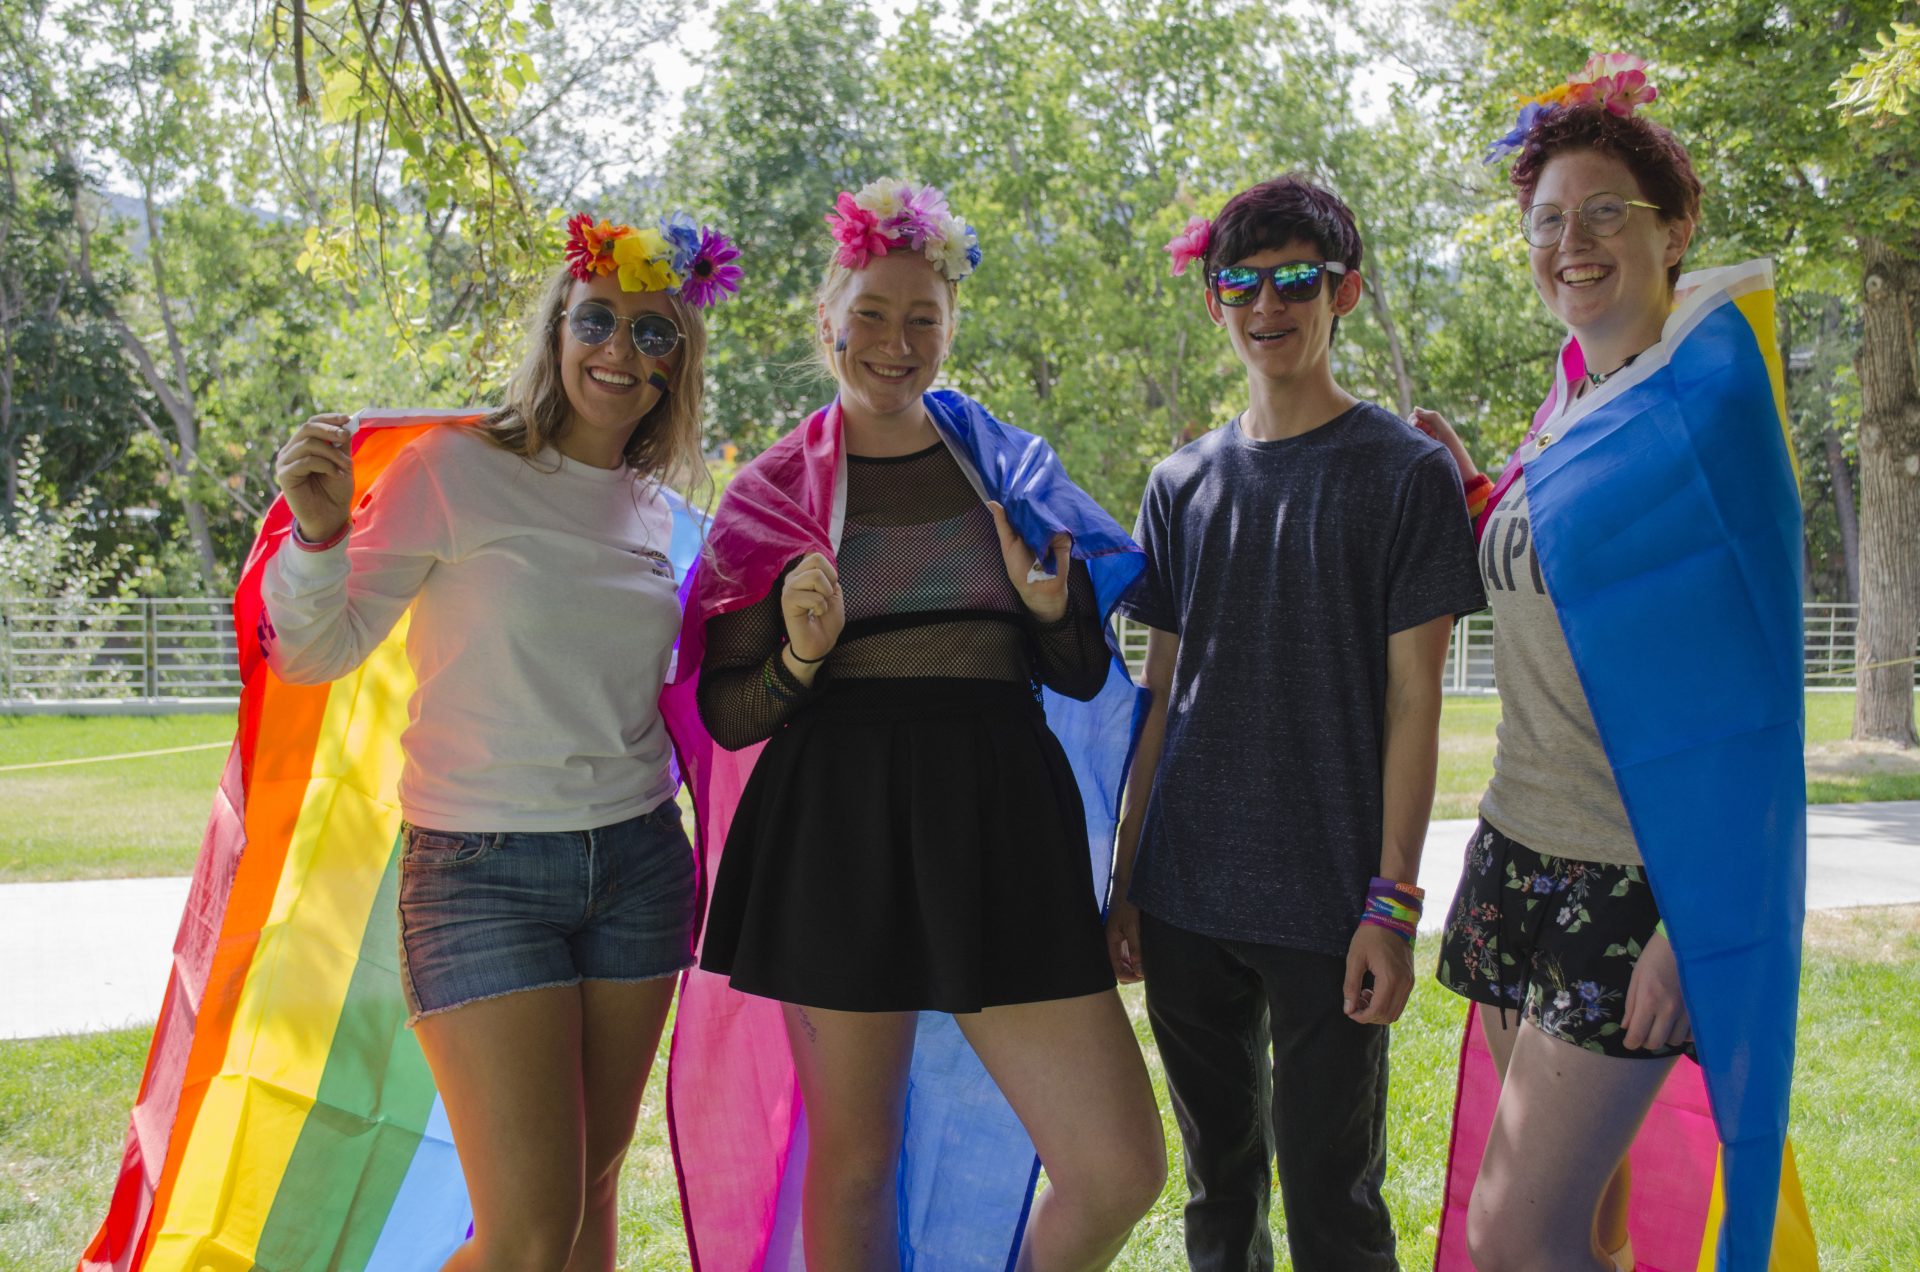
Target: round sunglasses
x,y
1293,281
593,322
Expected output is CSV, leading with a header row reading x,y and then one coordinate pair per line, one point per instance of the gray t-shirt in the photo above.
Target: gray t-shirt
x,y
1552,787
1283,567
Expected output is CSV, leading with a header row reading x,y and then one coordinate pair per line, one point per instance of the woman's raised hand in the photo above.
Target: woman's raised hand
x,y
811,604
315,469
1045,595
1435,425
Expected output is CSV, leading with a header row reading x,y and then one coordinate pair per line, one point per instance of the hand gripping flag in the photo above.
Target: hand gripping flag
x,y
286,1119
1666,518
967,1169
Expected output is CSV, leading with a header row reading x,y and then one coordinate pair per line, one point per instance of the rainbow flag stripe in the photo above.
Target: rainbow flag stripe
x,y
287,1119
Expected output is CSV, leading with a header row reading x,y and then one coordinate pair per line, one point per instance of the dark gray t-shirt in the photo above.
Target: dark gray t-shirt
x,y
1283,567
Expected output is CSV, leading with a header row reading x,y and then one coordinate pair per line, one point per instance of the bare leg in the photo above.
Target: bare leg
x,y
508,1069
620,1032
852,1068
1072,1071
1610,1220
1565,1120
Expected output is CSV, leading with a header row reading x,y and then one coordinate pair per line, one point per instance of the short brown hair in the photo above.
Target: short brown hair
x,y
1653,154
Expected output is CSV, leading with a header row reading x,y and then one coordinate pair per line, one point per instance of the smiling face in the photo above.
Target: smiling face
x,y
1278,340
896,319
606,384
1603,287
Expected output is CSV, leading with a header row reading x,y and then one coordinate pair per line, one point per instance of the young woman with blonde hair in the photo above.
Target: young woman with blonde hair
x,y
547,889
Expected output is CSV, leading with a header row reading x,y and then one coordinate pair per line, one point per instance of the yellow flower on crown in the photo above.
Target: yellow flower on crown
x,y
645,261
1559,95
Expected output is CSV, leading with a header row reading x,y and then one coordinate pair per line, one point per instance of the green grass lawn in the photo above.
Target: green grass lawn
x,y
63,1117
118,819
134,817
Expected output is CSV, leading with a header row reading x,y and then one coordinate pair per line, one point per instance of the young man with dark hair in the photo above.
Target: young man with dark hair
x,y
1307,561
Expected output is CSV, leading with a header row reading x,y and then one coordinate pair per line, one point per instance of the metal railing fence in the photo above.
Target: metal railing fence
x,y
1830,655
157,650
142,649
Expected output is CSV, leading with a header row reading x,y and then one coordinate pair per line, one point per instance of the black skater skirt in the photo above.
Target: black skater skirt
x,y
910,845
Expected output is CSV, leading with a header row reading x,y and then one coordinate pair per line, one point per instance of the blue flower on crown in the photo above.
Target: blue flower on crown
x,y
683,236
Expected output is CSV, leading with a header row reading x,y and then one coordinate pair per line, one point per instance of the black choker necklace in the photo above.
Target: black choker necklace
x,y
1597,378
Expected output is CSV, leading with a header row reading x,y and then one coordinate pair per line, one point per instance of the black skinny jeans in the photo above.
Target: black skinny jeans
x,y
1318,1108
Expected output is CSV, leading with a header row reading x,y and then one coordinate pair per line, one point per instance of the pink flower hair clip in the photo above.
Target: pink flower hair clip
x,y
1190,244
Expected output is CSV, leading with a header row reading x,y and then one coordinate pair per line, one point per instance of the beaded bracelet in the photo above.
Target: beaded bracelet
x,y
1395,906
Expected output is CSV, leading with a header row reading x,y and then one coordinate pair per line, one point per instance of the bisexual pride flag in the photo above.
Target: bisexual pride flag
x,y
967,1169
286,1119
1666,517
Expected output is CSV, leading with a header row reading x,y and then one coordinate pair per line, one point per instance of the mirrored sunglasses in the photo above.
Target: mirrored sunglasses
x,y
593,322
1293,281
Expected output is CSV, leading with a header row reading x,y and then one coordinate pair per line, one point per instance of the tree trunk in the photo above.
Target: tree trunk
x,y
1842,481
1402,382
1889,494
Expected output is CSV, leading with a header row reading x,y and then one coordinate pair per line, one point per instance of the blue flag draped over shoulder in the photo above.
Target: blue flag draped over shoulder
x,y
967,1169
1667,520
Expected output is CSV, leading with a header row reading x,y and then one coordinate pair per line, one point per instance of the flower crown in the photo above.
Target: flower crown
x,y
691,261
1616,81
891,214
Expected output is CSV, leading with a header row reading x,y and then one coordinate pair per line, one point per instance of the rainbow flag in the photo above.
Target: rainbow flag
x,y
1666,515
286,1118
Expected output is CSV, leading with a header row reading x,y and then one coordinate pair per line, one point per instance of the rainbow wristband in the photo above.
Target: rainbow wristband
x,y
1395,906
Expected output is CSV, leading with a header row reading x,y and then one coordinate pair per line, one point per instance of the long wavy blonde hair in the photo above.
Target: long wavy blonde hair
x,y
665,445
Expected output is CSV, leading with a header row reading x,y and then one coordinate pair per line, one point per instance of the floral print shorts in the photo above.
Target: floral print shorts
x,y
1552,938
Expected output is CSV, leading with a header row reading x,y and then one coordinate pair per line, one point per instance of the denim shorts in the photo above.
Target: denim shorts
x,y
486,913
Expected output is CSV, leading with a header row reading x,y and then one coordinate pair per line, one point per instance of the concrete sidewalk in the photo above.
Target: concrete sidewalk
x,y
93,955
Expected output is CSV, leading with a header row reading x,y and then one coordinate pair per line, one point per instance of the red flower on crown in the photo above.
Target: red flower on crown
x,y
590,246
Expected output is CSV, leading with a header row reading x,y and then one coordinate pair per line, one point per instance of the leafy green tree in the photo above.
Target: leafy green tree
x,y
782,120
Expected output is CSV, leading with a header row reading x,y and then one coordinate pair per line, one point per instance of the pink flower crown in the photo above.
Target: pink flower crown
x,y
693,262
1616,81
891,215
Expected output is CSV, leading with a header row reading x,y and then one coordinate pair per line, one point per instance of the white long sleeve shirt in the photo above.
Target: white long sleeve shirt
x,y
544,614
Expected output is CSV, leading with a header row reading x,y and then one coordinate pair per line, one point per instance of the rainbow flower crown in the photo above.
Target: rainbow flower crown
x,y
1616,81
893,215
691,261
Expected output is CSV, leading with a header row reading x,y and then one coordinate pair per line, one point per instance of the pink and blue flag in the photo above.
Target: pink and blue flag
x,y
967,1170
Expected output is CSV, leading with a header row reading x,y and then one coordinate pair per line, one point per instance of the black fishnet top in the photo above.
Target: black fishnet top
x,y
926,594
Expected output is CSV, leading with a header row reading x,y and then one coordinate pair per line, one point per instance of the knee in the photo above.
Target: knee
x,y
856,1172
1120,1187
603,1182
528,1244
1497,1241
1141,1181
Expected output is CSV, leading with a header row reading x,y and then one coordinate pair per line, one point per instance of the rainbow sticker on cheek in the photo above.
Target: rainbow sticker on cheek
x,y
840,343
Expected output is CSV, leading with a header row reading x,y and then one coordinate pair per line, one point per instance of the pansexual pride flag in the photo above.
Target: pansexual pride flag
x,y
1666,517
967,1169
286,1119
